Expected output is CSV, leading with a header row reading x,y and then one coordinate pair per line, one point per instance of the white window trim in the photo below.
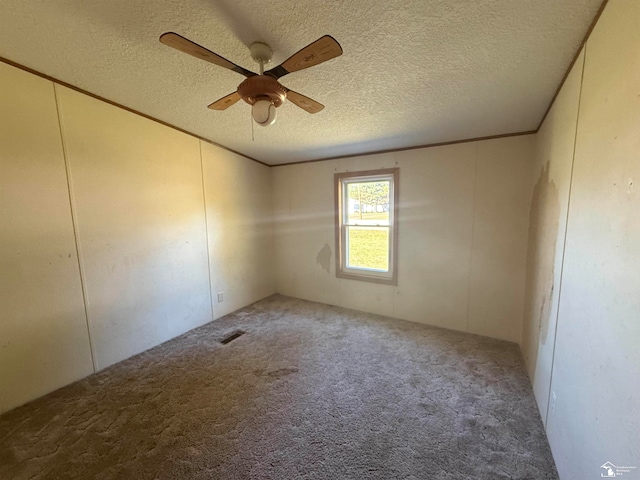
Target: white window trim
x,y
367,275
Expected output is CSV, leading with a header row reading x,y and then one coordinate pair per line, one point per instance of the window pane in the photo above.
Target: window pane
x,y
368,202
368,247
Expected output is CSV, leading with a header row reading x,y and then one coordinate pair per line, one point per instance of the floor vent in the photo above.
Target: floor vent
x,y
232,337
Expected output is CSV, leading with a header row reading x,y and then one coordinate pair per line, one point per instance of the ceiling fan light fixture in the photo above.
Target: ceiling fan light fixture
x,y
262,91
263,112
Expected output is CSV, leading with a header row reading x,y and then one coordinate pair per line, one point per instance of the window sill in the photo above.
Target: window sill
x,y
368,278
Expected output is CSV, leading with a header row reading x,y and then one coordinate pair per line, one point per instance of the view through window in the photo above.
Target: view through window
x,y
365,225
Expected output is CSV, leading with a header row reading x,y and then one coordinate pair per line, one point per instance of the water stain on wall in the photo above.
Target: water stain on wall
x,y
544,219
324,257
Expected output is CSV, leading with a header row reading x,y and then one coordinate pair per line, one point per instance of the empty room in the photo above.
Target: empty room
x,y
320,240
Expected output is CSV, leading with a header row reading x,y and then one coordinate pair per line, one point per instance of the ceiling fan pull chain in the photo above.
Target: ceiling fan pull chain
x,y
252,137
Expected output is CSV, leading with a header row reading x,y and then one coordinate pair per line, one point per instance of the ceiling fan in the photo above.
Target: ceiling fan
x,y
263,91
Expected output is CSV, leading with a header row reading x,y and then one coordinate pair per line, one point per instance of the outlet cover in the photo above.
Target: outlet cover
x,y
553,403
220,297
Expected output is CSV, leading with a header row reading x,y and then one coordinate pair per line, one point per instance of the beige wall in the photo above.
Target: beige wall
x,y
596,364
547,227
137,191
238,196
44,342
462,240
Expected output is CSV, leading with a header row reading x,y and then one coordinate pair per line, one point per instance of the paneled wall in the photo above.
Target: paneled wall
x,y
593,415
44,342
238,199
106,249
462,241
547,228
137,191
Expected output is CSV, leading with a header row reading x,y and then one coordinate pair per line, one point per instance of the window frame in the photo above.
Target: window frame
x,y
342,271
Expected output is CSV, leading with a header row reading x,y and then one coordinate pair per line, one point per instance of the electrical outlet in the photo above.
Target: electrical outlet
x,y
220,297
553,403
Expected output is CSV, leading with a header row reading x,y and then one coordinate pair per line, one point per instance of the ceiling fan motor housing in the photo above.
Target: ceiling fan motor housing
x,y
260,87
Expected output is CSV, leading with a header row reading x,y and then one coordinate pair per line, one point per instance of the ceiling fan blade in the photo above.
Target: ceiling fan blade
x,y
178,42
303,102
323,49
225,102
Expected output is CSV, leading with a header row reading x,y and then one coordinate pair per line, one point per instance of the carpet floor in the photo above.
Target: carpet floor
x,y
310,391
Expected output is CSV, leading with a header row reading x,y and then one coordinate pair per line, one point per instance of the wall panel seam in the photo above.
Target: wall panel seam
x,y
206,232
564,242
473,228
74,222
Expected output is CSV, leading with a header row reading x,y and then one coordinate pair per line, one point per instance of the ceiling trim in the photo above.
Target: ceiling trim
x,y
575,59
416,147
430,145
478,139
131,110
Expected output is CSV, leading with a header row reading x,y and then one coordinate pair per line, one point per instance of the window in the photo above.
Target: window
x,y
366,225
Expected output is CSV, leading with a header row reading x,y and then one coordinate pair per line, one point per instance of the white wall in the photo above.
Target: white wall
x,y
547,228
462,239
596,365
136,190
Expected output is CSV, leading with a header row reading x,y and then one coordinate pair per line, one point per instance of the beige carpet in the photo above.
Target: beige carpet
x,y
308,392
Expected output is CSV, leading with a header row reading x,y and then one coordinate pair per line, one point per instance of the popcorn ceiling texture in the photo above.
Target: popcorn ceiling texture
x,y
309,392
414,71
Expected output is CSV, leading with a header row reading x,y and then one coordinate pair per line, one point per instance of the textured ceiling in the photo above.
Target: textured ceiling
x,y
413,72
